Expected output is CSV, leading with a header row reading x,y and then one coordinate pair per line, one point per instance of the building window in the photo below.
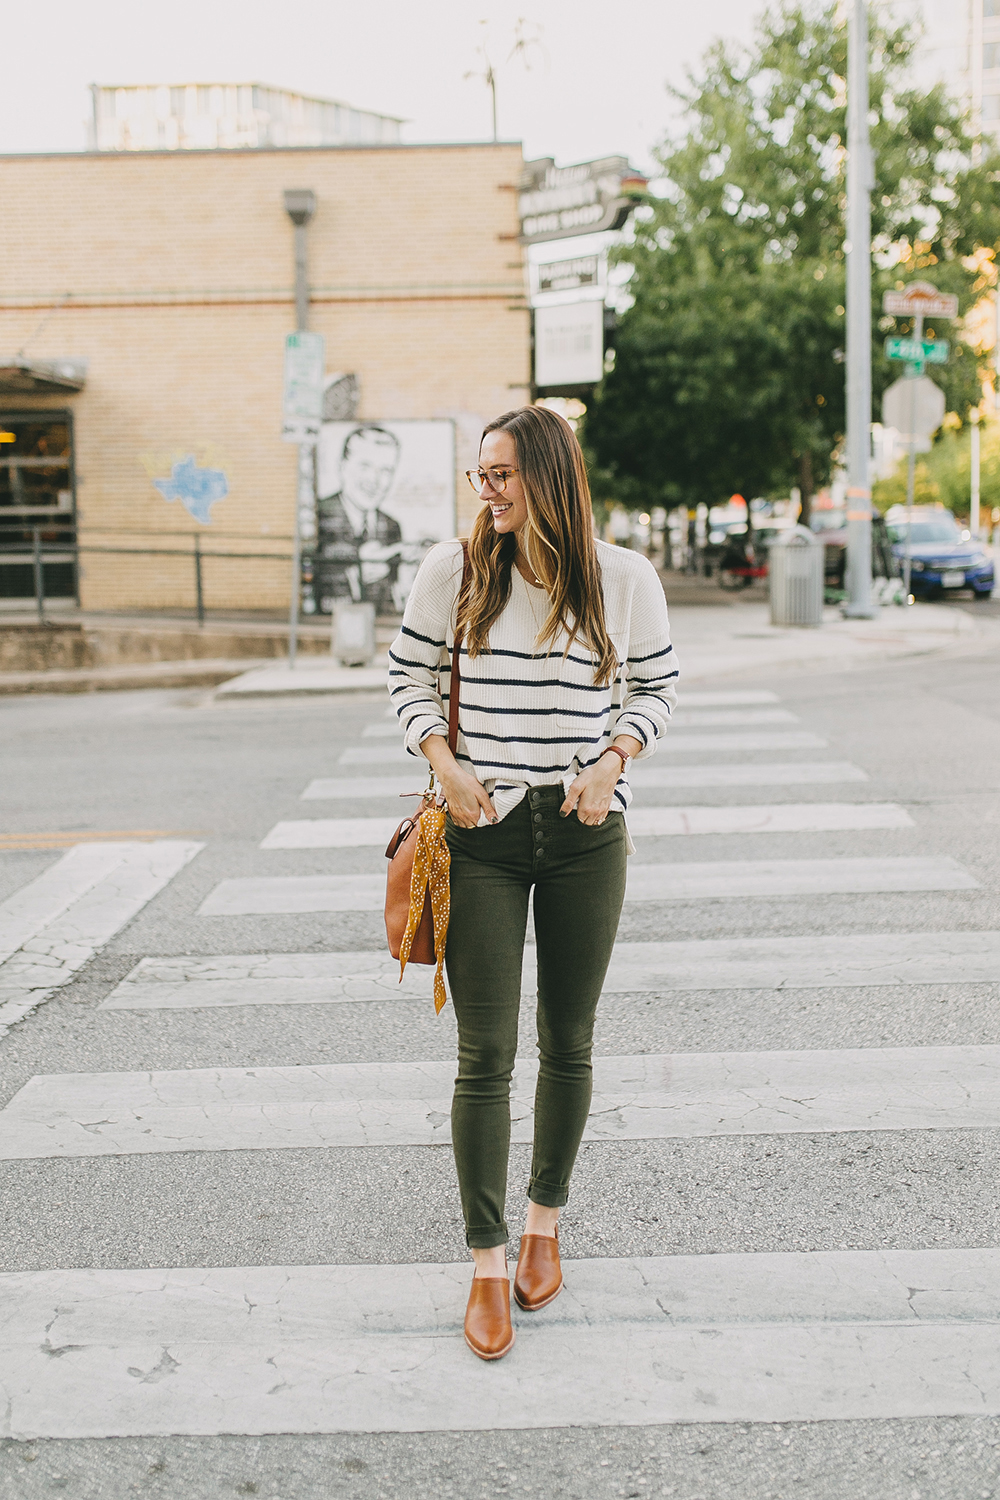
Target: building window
x,y
991,55
991,7
991,107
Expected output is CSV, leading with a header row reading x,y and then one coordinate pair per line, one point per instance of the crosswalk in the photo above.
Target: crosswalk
x,y
636,1341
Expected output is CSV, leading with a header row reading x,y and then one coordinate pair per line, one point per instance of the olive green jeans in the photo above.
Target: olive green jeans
x,y
578,876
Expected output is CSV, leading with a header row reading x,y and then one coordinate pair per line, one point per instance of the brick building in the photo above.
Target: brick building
x,y
144,300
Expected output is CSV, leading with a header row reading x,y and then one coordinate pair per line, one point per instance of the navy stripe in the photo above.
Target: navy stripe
x,y
527,739
541,682
403,662
576,713
583,661
621,799
631,713
651,657
413,703
405,630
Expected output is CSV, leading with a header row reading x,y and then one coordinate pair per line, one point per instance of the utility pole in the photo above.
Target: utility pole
x,y
974,487
300,205
859,321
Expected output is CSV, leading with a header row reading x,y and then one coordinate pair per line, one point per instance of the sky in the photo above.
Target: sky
x,y
591,82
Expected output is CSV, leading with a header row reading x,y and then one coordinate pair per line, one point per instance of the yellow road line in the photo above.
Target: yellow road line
x,y
15,841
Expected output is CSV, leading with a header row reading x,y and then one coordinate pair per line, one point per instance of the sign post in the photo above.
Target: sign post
x,y
305,361
859,321
918,301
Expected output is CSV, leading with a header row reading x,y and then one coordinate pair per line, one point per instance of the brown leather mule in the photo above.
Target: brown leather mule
x,y
488,1330
539,1278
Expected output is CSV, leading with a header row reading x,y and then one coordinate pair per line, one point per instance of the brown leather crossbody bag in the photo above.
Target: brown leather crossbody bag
x,y
416,891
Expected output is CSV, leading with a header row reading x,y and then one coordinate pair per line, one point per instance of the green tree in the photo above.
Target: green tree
x,y
729,363
944,475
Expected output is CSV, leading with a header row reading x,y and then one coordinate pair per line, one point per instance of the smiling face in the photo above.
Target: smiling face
x,y
510,509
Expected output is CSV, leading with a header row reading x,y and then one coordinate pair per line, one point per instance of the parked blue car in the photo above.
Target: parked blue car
x,y
943,559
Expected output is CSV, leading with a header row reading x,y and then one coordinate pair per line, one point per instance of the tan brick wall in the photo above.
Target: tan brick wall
x,y
180,270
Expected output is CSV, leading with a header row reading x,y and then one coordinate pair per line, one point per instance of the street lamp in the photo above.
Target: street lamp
x,y
300,205
859,321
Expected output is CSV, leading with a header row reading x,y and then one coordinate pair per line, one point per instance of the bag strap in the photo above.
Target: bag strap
x,y
456,674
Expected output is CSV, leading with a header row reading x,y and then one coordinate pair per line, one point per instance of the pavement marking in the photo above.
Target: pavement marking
x,y
841,961
743,697
679,740
326,788
794,877
332,833
378,1348
128,876
15,841
772,773
789,817
262,895
382,730
647,1097
37,904
707,718
274,979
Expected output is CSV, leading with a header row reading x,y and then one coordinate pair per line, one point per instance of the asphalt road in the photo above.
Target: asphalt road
x,y
925,730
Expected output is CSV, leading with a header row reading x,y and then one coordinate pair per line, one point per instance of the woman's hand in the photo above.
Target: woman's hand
x,y
466,797
592,791
464,793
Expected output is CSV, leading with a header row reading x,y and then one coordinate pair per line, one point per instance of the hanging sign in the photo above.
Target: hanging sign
x,y
305,360
920,299
556,203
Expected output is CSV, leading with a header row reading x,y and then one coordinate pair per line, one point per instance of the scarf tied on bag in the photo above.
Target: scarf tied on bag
x,y
430,880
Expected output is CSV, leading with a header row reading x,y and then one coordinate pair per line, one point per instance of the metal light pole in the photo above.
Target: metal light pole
x,y
859,321
974,487
300,205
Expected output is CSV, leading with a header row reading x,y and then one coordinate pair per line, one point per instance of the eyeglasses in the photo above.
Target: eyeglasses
x,y
495,478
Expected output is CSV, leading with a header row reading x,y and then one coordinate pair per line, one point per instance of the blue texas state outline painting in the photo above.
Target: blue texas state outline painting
x,y
199,489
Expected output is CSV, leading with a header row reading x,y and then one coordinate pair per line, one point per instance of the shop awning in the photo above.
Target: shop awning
x,y
40,377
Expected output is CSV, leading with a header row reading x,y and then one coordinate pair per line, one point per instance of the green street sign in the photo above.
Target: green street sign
x,y
918,351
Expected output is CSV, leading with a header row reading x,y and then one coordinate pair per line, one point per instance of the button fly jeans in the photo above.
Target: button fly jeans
x,y
578,877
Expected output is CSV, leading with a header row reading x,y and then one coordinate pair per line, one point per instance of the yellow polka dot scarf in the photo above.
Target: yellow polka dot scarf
x,y
431,876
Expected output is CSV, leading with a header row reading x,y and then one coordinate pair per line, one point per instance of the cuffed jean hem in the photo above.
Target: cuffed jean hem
x,y
546,1196
488,1237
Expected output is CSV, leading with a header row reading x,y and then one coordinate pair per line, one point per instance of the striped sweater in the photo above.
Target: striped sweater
x,y
529,717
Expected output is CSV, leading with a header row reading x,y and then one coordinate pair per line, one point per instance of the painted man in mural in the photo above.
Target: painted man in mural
x,y
359,546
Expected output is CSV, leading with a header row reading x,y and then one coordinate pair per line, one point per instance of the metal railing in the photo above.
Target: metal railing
x,y
36,555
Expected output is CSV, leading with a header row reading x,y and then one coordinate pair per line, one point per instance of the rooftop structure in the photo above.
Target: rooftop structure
x,y
208,116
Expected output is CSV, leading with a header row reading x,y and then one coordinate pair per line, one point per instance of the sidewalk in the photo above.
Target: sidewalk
x,y
713,640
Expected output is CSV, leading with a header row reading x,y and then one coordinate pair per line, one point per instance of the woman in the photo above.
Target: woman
x,y
550,620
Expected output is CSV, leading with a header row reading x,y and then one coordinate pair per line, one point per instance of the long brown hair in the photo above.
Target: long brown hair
x,y
558,541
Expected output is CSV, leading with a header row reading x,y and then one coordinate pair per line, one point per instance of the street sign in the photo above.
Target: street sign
x,y
918,351
914,406
305,361
920,299
556,203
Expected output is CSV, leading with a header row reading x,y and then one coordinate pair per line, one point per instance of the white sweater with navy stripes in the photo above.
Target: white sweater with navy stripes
x,y
531,717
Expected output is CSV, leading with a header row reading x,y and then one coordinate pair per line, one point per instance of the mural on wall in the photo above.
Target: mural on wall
x,y
198,479
386,494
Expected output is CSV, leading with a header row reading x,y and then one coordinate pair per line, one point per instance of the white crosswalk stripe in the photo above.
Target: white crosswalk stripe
x,y
260,895
717,1338
682,741
786,817
849,960
81,905
640,1098
751,1337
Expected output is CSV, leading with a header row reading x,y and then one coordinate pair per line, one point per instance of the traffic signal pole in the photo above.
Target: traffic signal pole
x,y
859,321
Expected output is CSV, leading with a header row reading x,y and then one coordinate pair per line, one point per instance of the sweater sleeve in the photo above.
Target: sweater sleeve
x,y
650,677
419,654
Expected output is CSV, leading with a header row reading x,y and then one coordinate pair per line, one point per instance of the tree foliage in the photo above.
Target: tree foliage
x,y
729,370
944,475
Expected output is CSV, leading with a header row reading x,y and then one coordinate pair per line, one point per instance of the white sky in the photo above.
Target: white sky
x,y
596,83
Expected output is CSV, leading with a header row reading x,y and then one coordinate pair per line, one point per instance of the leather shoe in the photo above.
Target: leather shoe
x,y
539,1277
488,1330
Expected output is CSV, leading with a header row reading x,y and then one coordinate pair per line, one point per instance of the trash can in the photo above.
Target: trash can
x,y
353,642
795,574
